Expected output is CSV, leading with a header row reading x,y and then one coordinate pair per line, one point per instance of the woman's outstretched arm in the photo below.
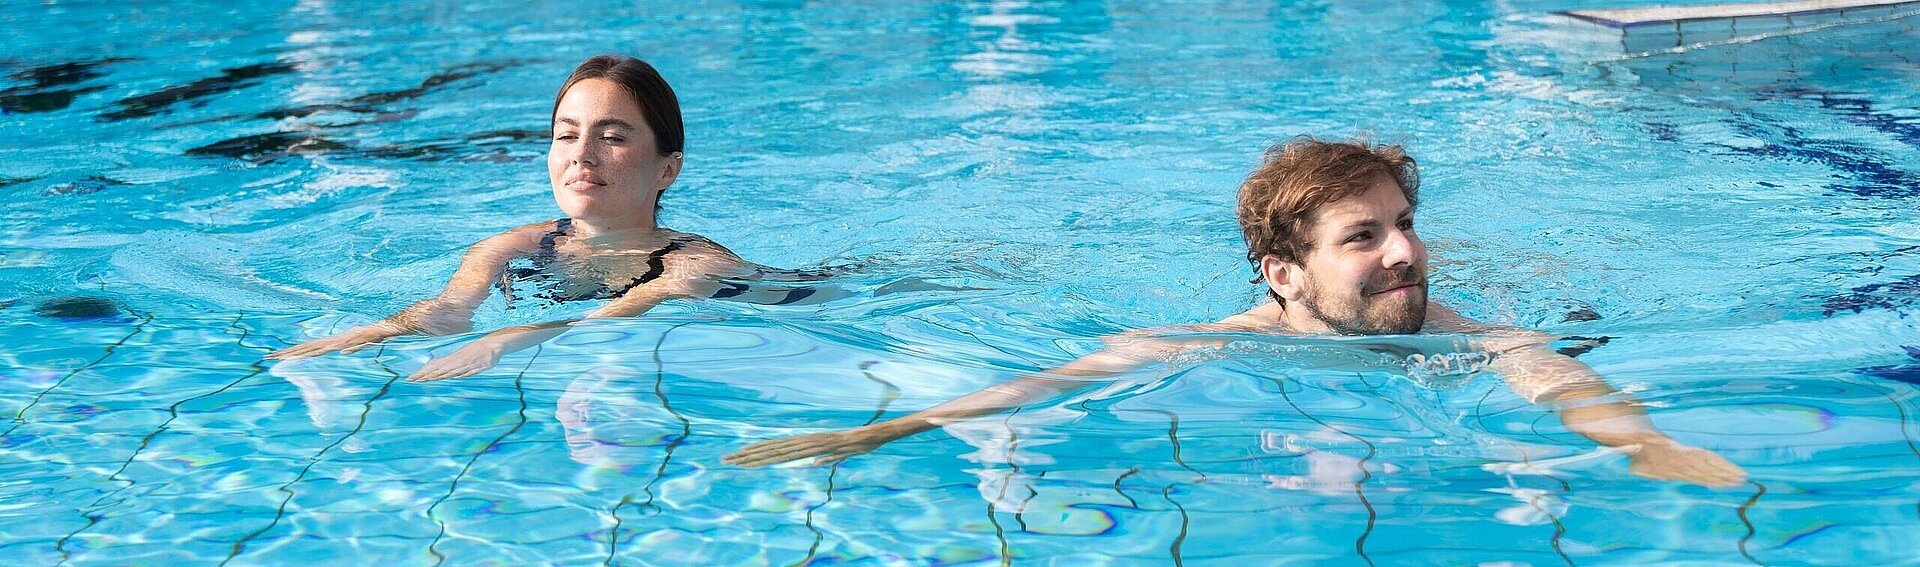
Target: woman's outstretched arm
x,y
449,312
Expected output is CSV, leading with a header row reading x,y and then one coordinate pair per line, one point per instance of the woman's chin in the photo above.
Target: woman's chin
x,y
576,206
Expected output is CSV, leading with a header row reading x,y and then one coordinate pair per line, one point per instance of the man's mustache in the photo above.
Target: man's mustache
x,y
1397,278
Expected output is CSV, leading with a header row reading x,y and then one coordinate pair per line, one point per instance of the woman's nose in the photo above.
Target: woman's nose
x,y
586,153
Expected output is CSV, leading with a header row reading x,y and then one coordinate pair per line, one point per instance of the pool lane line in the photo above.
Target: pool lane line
x,y
454,486
173,412
686,430
1116,487
1013,447
1174,549
1559,528
889,393
365,408
1020,517
1173,435
1904,421
20,418
686,426
613,534
1359,487
1744,519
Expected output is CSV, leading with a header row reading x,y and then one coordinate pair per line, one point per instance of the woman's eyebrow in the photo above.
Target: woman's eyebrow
x,y
614,122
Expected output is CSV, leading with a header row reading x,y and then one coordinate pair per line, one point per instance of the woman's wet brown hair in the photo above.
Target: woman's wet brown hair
x,y
650,91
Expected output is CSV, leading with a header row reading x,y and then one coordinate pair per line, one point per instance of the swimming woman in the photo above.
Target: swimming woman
x,y
617,146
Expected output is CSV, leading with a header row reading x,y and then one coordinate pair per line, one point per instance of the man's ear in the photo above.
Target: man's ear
x,y
1283,277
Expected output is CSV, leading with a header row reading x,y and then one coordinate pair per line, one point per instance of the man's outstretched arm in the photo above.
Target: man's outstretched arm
x,y
1592,408
834,446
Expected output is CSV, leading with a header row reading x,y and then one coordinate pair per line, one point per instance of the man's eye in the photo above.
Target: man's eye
x,y
615,139
1361,237
1406,224
566,137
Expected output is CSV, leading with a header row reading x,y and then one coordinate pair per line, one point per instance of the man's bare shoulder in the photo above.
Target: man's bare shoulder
x,y
1177,337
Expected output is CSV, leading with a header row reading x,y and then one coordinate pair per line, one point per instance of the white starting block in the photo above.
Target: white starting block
x,y
1664,28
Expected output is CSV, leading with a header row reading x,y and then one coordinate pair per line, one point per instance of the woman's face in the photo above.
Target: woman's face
x,y
603,163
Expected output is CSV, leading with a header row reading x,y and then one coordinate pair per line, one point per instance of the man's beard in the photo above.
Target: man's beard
x,y
1369,314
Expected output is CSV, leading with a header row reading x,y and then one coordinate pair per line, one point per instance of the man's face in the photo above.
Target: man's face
x,y
1367,271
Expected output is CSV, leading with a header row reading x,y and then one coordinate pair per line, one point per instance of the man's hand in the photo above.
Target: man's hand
x,y
1673,461
346,342
474,358
826,448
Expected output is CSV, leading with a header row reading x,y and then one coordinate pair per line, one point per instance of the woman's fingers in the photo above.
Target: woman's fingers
x,y
346,343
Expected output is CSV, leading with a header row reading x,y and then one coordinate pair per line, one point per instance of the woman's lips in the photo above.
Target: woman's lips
x,y
585,182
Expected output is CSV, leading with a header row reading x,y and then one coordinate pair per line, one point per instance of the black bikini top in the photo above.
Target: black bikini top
x,y
548,282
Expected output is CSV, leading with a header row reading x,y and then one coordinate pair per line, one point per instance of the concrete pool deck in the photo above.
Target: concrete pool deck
x,y
1666,27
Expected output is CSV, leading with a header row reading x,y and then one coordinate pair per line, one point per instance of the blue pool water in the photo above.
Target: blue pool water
x,y
236,178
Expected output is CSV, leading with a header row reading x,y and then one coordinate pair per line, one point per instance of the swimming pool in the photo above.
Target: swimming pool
x,y
1740,219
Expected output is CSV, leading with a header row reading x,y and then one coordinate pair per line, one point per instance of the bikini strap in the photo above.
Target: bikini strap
x,y
656,266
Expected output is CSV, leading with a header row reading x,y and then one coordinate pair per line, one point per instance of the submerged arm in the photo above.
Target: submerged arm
x,y
477,356
682,277
1592,408
835,446
450,312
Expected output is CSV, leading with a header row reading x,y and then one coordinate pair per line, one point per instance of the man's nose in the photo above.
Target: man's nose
x,y
1402,249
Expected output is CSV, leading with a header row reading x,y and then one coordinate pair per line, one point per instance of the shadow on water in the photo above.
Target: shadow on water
x,y
79,308
1909,373
1896,294
88,185
269,146
230,79
45,94
494,145
1872,174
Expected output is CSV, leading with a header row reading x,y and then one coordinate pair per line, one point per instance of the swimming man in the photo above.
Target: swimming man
x,y
1329,229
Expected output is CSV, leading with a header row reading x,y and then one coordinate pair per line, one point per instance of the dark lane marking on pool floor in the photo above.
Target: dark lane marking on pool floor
x,y
452,487
1359,486
20,418
889,393
280,513
93,511
1760,490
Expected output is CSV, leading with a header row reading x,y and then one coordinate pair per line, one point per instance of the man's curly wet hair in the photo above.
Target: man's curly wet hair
x,y
1279,200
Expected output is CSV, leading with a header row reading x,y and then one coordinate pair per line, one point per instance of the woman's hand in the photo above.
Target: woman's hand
x,y
1672,461
825,448
474,358
346,342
